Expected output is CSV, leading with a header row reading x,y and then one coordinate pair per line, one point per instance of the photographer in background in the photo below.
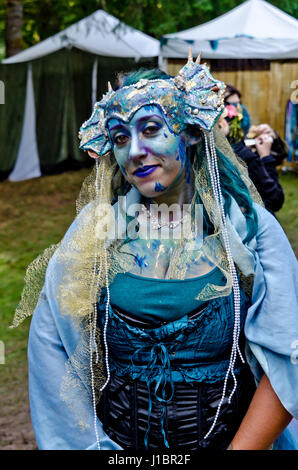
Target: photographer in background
x,y
278,150
261,164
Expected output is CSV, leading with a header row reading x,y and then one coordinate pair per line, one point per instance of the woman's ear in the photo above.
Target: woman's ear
x,y
192,135
92,154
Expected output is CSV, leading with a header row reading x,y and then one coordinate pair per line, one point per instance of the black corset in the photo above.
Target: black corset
x,y
187,417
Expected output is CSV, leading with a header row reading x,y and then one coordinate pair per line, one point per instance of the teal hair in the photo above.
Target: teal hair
x,y
232,184
152,74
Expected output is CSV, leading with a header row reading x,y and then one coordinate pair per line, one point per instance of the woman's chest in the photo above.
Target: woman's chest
x,y
163,259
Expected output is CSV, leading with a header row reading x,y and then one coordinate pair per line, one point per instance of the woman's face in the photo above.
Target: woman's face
x,y
151,157
233,99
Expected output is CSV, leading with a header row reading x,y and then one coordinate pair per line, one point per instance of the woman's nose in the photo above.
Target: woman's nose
x,y
137,149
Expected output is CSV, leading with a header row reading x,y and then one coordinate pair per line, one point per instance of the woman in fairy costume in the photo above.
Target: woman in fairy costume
x,y
170,292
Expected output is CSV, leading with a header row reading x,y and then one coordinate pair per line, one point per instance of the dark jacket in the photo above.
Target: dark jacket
x,y
263,174
279,150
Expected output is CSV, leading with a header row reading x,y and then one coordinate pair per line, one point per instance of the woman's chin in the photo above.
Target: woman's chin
x,y
151,189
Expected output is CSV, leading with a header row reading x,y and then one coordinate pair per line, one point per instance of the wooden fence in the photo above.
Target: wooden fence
x,y
264,92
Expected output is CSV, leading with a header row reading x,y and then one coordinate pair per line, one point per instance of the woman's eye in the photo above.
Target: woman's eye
x,y
151,129
120,139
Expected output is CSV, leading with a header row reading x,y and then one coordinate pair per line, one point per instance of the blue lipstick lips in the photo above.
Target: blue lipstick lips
x,y
145,170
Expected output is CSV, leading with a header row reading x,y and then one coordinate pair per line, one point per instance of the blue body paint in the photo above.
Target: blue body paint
x,y
159,187
140,261
155,244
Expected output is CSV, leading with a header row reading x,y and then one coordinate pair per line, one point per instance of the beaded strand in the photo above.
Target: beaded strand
x,y
234,273
92,338
215,183
106,326
92,341
98,201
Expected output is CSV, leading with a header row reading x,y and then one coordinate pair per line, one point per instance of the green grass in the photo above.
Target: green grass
x,y
287,216
34,215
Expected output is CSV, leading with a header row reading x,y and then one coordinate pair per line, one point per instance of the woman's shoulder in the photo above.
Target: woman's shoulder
x,y
272,243
268,224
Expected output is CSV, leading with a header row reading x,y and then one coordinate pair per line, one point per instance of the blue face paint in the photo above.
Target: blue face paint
x,y
159,187
150,156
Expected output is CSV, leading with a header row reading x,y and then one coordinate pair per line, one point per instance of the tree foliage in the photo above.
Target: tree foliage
x,y
43,18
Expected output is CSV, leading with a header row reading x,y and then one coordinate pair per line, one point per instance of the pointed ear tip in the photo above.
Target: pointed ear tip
x,y
190,58
199,57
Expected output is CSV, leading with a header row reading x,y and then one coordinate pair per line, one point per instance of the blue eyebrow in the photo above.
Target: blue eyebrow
x,y
118,126
144,118
148,117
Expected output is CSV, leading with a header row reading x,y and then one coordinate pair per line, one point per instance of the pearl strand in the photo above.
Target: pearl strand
x,y
106,326
92,343
92,337
215,182
93,387
98,201
236,290
234,273
157,225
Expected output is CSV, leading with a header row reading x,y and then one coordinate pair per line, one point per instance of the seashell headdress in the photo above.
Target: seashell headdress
x,y
193,97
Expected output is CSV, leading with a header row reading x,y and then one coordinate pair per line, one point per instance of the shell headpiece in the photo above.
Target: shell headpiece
x,y
193,97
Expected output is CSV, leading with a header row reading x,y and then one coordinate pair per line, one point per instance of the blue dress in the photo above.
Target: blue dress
x,y
270,328
184,342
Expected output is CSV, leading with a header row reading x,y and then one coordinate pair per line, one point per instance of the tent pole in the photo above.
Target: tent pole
x,y
94,81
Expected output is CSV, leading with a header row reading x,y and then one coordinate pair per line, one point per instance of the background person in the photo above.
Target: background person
x,y
260,163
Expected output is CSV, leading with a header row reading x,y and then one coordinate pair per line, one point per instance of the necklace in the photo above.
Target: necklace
x,y
155,222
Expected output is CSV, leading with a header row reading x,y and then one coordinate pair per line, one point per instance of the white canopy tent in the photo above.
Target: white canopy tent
x,y
100,34
253,30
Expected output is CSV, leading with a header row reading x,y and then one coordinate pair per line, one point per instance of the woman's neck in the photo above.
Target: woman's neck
x,y
181,193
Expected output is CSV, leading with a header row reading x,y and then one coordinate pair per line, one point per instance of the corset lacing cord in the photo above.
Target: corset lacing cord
x,y
162,376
